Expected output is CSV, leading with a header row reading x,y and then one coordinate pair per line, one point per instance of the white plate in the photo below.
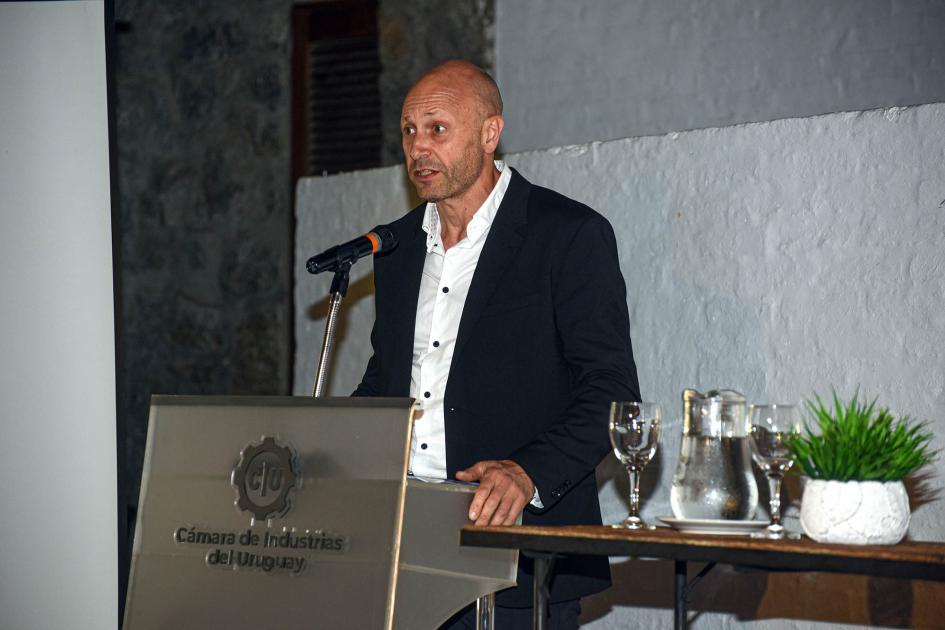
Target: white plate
x,y
712,526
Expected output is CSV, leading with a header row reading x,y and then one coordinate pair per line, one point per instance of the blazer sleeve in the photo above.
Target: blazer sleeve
x,y
592,321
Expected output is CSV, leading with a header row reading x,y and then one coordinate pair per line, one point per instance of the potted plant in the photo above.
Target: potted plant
x,y
855,463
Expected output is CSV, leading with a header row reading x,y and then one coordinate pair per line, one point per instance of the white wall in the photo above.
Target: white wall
x,y
574,71
776,258
58,551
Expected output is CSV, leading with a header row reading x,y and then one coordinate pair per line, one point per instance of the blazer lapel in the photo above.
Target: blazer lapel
x,y
503,241
403,317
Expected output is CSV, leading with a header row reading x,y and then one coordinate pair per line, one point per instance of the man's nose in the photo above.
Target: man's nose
x,y
418,146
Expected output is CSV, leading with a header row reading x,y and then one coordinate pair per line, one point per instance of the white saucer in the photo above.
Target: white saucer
x,y
713,526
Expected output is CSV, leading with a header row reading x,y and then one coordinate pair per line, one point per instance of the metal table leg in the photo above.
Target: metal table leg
x,y
544,562
680,621
681,589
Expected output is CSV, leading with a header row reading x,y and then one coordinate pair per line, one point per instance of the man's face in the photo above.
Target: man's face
x,y
442,139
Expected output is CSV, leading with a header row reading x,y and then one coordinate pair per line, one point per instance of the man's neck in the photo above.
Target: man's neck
x,y
456,213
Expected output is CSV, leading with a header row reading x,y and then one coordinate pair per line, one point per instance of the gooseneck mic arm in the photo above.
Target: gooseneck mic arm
x,y
339,260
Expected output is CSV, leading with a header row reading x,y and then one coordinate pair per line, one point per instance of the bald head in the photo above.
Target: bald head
x,y
451,123
476,86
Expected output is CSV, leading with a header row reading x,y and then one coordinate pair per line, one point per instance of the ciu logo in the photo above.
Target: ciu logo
x,y
264,478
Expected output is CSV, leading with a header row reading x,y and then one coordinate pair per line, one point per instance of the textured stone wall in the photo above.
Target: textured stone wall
x,y
203,94
777,258
574,71
203,136
415,36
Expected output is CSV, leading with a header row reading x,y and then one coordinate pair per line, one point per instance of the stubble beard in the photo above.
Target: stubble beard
x,y
457,179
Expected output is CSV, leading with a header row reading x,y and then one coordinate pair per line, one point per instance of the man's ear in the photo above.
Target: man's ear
x,y
491,130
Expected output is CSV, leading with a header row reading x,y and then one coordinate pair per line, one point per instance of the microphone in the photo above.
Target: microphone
x,y
380,239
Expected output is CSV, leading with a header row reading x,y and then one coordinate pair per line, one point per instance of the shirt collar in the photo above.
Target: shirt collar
x,y
481,221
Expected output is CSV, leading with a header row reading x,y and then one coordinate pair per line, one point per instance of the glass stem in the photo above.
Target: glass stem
x,y
774,485
634,473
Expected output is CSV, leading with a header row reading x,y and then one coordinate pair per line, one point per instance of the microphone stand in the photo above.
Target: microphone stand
x,y
339,287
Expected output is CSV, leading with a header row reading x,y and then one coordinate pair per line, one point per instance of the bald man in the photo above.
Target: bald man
x,y
503,312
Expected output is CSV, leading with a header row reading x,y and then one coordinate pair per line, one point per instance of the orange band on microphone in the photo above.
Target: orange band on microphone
x,y
375,242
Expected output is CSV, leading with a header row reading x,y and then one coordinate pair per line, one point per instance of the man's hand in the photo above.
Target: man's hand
x,y
504,491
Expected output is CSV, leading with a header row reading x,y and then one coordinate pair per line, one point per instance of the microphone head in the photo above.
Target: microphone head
x,y
385,238
380,239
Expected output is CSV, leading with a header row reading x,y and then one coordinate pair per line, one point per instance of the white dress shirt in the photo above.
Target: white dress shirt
x,y
447,276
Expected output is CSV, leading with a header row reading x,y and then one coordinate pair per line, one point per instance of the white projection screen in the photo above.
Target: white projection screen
x,y
58,546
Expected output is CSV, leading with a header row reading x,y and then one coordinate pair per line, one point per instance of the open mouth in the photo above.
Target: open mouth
x,y
424,173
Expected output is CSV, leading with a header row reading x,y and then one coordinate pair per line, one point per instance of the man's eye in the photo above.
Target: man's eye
x,y
409,131
439,129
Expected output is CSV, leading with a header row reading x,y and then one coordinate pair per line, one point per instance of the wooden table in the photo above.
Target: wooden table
x,y
908,560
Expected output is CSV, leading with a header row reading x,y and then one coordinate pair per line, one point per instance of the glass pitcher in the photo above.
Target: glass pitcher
x,y
714,478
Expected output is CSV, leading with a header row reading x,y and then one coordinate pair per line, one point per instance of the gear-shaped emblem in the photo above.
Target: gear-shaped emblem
x,y
263,478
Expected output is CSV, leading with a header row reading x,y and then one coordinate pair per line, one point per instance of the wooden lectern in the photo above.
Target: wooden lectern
x,y
297,513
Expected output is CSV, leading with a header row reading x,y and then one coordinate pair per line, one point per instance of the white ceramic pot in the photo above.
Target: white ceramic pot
x,y
855,512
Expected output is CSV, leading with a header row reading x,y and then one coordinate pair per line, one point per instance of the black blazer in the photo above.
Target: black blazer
x,y
543,347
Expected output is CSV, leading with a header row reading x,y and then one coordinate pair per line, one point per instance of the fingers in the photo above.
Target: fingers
x,y
517,507
504,491
508,509
480,502
474,472
497,488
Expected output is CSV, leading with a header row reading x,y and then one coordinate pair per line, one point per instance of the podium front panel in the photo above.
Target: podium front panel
x,y
269,512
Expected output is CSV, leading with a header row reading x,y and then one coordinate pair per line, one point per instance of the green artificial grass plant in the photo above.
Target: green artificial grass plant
x,y
858,442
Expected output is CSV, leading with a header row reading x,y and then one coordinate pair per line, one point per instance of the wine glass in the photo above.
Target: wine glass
x,y
771,426
634,434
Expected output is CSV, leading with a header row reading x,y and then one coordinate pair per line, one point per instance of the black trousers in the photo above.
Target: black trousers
x,y
561,616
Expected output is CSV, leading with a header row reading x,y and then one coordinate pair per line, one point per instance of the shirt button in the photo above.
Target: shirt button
x,y
424,446
436,344
426,394
446,289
